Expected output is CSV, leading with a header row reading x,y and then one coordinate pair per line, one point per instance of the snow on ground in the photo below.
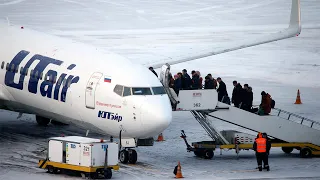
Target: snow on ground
x,y
152,31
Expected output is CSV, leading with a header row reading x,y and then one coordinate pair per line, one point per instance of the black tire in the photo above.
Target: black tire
x,y
94,175
56,170
50,169
208,154
124,156
108,174
133,156
305,153
287,150
42,121
197,153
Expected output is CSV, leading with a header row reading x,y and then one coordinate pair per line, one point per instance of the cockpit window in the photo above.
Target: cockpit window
x,y
118,89
141,91
158,90
126,91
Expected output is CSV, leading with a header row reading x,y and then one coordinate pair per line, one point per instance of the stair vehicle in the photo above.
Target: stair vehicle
x,y
286,130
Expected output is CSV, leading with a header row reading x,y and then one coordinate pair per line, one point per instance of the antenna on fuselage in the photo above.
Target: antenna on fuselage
x,y
87,133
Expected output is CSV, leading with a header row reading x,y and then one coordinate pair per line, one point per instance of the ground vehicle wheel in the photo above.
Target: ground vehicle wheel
x,y
108,174
305,153
133,156
124,156
208,154
42,121
50,169
197,153
287,150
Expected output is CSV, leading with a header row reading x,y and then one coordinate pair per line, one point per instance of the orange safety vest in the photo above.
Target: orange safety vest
x,y
261,145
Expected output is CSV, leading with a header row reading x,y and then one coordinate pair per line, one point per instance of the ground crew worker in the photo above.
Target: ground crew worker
x,y
262,147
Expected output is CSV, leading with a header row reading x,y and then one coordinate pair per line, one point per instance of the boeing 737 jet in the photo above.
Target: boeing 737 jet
x,y
59,80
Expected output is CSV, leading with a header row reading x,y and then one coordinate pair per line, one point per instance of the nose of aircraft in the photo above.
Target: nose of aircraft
x,y
156,115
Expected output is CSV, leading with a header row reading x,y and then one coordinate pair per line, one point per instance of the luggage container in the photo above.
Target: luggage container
x,y
90,157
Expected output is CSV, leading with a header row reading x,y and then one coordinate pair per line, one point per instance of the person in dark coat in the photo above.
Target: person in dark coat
x,y
152,70
186,80
237,94
208,83
247,98
222,89
177,83
195,80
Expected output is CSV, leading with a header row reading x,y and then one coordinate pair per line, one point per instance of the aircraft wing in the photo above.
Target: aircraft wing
x,y
293,30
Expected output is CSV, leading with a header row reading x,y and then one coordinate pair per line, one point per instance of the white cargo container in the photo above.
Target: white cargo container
x,y
83,154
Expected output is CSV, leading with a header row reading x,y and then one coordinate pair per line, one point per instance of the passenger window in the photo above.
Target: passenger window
x,y
118,89
21,70
126,91
7,67
16,69
41,74
26,71
2,65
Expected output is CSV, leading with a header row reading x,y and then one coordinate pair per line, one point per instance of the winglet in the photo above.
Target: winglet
x,y
295,18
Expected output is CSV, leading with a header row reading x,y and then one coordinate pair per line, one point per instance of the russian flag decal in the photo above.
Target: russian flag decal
x,y
107,79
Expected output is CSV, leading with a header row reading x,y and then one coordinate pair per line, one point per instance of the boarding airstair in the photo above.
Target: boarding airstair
x,y
280,125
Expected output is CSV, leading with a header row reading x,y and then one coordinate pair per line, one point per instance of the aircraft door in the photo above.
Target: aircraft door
x,y
91,88
164,75
165,80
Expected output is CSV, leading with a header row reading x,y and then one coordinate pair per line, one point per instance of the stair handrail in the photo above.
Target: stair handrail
x,y
298,116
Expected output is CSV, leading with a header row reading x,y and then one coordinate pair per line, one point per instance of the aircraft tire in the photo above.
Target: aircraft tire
x,y
124,156
133,156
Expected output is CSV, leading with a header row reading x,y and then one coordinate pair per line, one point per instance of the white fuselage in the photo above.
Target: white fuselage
x,y
70,82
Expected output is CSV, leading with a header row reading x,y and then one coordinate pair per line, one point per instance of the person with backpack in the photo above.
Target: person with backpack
x,y
265,106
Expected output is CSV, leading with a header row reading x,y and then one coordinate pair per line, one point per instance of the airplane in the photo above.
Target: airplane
x,y
60,80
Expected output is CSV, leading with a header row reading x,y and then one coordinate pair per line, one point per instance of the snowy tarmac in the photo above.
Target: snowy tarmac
x,y
152,31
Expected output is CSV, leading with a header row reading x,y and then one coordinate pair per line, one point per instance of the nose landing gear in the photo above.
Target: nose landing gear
x,y
127,154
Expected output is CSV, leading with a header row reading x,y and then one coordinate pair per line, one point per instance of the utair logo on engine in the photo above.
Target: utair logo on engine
x,y
109,115
48,86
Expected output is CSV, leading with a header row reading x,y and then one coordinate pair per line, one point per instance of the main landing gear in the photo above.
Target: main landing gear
x,y
127,154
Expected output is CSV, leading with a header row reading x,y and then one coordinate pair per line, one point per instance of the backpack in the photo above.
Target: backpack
x,y
273,103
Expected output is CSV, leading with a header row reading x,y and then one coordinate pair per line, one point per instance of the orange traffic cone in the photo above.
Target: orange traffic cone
x,y
298,100
160,137
179,173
